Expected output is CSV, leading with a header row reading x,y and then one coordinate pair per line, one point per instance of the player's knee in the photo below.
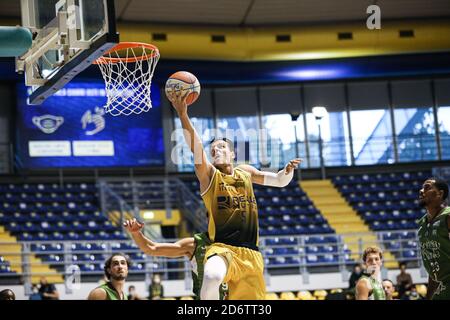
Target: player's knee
x,y
212,276
215,270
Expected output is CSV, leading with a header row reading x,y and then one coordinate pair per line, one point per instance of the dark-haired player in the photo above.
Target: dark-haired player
x,y
434,232
116,271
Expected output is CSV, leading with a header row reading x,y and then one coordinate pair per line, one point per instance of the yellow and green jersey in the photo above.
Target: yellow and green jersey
x,y
377,288
232,209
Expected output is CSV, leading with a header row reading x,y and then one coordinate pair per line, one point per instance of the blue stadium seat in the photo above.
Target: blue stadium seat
x,y
330,239
294,250
279,261
272,231
293,261
408,235
280,251
393,193
274,221
137,267
288,241
410,245
286,230
330,258
299,229
410,254
312,259
90,267
330,249
4,269
272,241
41,236
88,235
388,236
57,236
73,236
52,258
118,235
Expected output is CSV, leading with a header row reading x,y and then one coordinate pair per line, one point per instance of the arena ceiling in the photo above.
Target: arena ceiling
x,y
244,13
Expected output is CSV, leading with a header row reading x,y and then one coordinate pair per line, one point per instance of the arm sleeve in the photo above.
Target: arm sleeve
x,y
279,179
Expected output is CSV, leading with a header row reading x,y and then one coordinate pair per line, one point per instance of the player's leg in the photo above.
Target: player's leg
x,y
213,276
248,281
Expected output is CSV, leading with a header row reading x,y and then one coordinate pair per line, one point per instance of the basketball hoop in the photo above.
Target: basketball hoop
x,y
128,70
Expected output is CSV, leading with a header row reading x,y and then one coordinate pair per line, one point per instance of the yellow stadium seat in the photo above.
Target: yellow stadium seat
x,y
320,294
305,295
422,290
336,291
287,295
272,296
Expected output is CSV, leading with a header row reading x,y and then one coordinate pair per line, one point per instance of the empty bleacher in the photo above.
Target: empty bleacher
x,y
387,202
40,212
293,232
50,212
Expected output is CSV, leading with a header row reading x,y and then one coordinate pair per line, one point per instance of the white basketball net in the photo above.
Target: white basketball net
x,y
127,84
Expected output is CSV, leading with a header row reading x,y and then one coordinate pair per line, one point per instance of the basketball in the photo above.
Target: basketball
x,y
182,81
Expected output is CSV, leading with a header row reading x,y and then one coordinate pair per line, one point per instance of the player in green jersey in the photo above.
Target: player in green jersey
x,y
116,271
193,247
434,232
369,285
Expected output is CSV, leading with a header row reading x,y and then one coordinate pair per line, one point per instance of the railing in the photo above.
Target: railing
x,y
165,193
411,147
119,210
192,207
63,255
298,247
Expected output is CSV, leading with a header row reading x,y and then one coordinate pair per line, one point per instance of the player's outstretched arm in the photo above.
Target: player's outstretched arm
x,y
280,179
183,247
203,168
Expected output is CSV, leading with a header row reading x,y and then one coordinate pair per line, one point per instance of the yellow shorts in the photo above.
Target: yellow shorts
x,y
245,271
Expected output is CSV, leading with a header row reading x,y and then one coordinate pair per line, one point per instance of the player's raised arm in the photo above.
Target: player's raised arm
x,y
280,179
203,168
183,247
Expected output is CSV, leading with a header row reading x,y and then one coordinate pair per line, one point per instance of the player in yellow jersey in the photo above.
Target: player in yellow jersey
x,y
227,192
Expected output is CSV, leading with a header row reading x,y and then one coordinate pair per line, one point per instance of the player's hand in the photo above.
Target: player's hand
x,y
178,100
292,165
133,225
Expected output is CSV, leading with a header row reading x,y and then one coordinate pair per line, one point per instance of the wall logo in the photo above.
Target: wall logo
x,y
48,123
96,119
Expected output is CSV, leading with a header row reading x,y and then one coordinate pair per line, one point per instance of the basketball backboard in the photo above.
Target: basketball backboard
x,y
68,35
